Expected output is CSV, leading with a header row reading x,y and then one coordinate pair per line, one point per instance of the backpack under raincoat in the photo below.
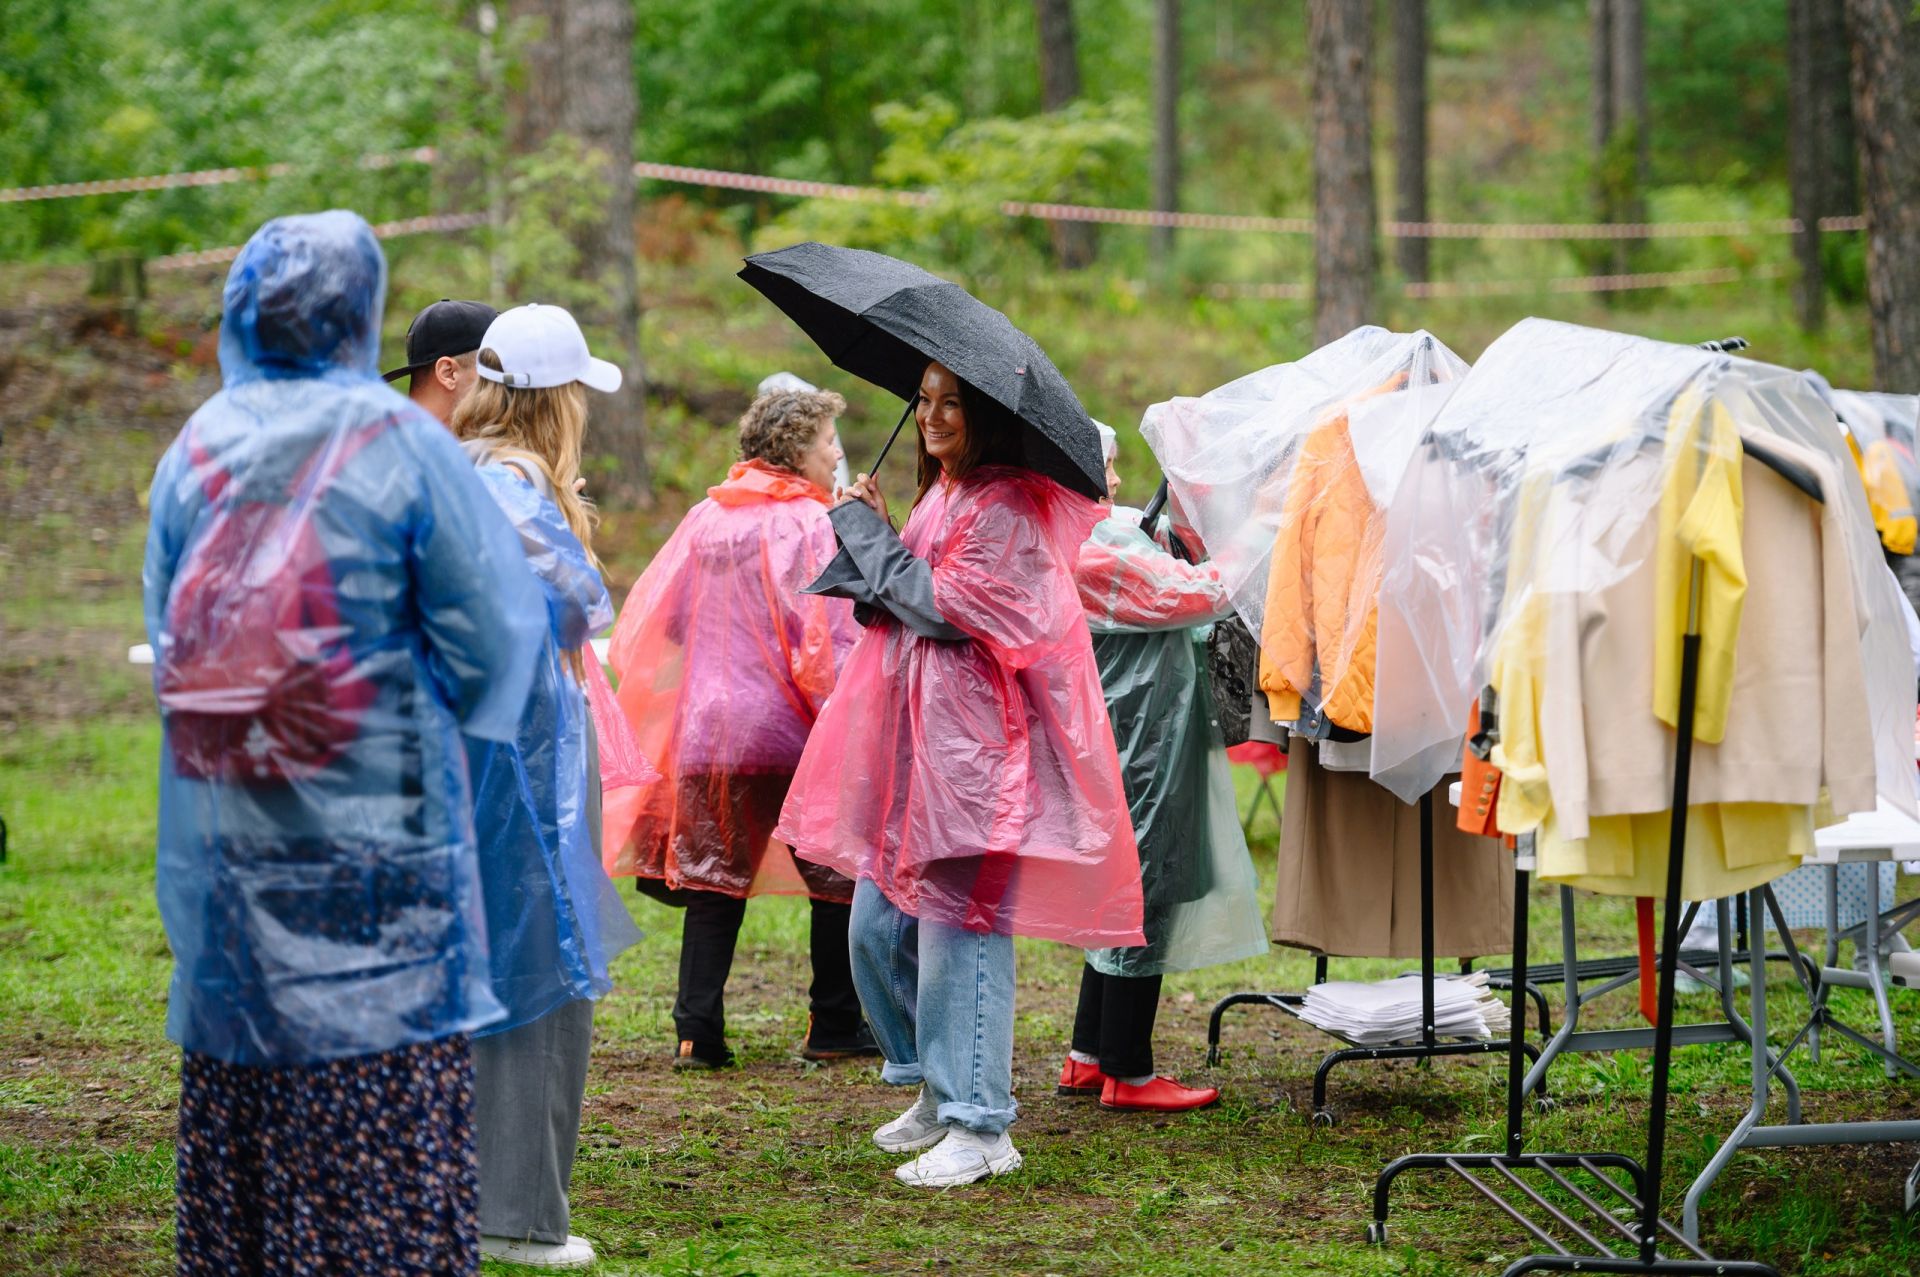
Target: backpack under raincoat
x,y
554,921
975,781
322,899
724,666
1148,612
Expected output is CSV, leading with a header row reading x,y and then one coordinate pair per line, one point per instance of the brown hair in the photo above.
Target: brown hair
x,y
992,440
781,426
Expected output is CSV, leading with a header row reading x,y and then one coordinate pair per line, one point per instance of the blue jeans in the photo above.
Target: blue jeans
x,y
940,1001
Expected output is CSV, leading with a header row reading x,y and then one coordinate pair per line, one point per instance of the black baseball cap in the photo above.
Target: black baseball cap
x,y
446,329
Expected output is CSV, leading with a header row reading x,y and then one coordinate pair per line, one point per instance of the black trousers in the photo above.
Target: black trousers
x,y
707,940
1114,1023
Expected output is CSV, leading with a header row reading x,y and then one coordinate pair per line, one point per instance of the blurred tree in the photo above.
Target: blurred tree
x,y
1073,242
579,84
1822,161
1346,257
1166,125
1410,130
1887,126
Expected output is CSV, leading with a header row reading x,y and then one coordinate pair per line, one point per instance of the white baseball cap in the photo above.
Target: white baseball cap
x,y
542,346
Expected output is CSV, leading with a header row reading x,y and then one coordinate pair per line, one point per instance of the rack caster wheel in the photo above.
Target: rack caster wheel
x,y
1377,1233
1545,1104
1323,1117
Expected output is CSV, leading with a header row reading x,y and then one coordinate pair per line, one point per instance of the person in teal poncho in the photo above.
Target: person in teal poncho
x,y
1149,612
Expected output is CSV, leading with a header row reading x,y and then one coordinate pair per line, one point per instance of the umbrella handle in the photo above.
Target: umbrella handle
x,y
1153,508
897,426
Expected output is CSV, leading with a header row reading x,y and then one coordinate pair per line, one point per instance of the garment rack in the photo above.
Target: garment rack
x,y
1642,1253
1430,1045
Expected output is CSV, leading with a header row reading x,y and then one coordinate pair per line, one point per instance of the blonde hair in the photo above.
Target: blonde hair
x,y
545,426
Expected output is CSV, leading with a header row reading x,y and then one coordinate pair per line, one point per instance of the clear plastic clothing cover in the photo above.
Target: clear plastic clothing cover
x,y
1533,481
975,781
332,597
724,666
1286,475
554,921
1148,612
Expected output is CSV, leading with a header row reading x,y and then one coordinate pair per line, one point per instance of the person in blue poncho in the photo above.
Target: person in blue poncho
x,y
555,920
333,598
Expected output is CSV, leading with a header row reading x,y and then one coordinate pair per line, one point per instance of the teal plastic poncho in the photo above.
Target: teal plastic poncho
x,y
332,598
1149,614
554,921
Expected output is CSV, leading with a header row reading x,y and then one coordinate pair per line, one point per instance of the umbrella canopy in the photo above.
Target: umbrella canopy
x,y
883,320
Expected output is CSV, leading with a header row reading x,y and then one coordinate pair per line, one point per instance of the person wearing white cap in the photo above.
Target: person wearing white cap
x,y
553,917
842,477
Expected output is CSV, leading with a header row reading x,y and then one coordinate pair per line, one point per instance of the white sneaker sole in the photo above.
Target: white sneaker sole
x,y
1010,1161
899,1144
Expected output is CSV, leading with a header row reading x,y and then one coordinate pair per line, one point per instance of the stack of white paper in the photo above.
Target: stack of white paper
x,y
1388,1011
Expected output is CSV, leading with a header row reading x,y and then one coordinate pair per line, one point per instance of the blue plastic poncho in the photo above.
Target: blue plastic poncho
x,y
553,917
1149,613
332,597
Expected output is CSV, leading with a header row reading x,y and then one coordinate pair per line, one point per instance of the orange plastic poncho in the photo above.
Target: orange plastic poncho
x,y
976,782
724,666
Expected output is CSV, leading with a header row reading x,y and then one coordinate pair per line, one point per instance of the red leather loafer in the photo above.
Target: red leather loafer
x,y
1080,1079
1162,1095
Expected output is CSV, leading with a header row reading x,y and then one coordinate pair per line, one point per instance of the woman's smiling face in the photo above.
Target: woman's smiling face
x,y
941,416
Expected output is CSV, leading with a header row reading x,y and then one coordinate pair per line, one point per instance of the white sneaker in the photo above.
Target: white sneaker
x,y
917,1128
575,1252
961,1158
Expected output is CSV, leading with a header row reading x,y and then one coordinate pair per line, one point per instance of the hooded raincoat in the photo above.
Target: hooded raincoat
x,y
332,598
974,778
1149,613
554,920
724,666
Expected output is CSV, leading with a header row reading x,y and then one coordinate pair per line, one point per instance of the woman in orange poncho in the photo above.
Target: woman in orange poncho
x,y
965,773
723,666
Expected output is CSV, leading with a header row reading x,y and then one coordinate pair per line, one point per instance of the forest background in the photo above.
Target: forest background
x,y
1512,112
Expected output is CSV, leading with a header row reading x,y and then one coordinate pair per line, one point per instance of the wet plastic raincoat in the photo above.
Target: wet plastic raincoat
x,y
554,921
1149,612
724,666
332,598
974,778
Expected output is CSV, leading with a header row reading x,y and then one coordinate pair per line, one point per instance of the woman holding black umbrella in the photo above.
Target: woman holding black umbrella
x,y
963,771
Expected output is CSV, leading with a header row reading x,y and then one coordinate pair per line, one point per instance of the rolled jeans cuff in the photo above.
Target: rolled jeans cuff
x,y
978,1118
902,1074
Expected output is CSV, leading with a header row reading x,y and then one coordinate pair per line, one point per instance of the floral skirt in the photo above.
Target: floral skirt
x,y
360,1165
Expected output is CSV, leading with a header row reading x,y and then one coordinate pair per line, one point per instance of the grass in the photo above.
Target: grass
x,y
767,1169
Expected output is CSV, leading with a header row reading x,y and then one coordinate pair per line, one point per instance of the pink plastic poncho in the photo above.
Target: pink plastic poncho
x,y
976,782
723,668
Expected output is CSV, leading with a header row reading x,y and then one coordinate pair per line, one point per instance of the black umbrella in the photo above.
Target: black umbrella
x,y
883,319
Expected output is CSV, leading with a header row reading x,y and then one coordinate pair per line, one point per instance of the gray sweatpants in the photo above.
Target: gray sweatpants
x,y
528,1084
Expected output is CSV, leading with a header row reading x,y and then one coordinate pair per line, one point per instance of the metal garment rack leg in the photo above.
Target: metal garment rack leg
x,y
1751,1132
1641,1253
1429,1046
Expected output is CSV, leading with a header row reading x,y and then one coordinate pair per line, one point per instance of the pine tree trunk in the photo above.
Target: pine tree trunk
x,y
1632,137
1884,119
1059,88
1833,101
601,111
1410,130
1600,105
1346,260
1805,165
1166,125
579,80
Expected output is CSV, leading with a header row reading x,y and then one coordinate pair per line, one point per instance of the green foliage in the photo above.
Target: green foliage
x,y
1088,153
553,195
